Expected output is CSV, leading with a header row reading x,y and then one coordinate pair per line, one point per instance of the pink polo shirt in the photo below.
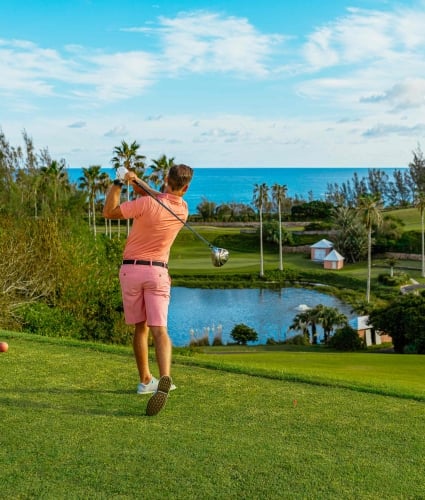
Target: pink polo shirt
x,y
154,229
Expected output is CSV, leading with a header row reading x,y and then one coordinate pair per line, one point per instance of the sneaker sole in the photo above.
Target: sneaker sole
x,y
157,402
172,388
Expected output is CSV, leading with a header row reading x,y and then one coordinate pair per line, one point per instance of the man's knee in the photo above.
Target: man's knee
x,y
159,331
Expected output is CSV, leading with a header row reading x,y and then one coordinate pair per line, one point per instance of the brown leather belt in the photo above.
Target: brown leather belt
x,y
145,263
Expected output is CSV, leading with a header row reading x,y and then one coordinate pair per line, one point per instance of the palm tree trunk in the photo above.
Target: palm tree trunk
x,y
94,216
280,240
261,244
369,263
128,199
423,243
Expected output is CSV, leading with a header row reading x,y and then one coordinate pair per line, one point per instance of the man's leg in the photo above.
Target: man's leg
x,y
141,352
163,349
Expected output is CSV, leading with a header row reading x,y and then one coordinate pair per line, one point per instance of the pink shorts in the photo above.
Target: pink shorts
x,y
145,294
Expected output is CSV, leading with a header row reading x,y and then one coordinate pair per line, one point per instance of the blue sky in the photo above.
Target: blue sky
x,y
217,83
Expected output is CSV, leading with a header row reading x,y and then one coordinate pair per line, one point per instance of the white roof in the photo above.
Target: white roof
x,y
360,323
303,307
334,256
323,244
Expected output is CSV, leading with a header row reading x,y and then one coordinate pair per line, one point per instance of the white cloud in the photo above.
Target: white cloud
x,y
79,124
407,94
384,130
196,42
118,131
202,42
374,57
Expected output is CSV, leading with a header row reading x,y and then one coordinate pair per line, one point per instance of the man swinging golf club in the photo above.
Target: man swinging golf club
x,y
144,278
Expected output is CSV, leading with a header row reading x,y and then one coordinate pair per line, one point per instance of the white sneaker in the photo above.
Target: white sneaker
x,y
151,387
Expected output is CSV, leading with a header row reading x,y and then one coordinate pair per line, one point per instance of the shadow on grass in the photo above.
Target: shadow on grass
x,y
70,407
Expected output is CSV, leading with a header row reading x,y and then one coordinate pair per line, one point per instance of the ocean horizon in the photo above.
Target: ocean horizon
x,y
236,184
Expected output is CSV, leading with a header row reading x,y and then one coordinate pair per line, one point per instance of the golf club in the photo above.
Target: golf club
x,y
219,256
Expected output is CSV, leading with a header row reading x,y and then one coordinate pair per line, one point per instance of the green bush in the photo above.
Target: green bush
x,y
298,340
49,321
396,280
242,334
346,339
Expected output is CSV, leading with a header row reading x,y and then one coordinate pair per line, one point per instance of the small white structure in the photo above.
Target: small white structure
x,y
303,308
333,260
320,250
367,332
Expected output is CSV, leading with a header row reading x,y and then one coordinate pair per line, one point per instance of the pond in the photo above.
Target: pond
x,y
198,312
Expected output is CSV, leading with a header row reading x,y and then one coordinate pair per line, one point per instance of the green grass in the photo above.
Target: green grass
x,y
410,216
73,427
381,373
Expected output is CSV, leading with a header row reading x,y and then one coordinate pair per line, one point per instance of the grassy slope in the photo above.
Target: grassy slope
x,y
389,374
72,427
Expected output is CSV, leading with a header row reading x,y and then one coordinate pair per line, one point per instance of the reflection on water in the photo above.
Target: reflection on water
x,y
199,312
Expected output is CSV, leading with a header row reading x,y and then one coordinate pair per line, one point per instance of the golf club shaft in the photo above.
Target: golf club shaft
x,y
174,214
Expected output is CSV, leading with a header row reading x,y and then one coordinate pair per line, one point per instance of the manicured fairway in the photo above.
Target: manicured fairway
x,y
388,374
73,427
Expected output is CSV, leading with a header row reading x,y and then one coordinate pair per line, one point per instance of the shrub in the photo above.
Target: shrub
x,y
242,334
298,340
346,339
396,280
41,319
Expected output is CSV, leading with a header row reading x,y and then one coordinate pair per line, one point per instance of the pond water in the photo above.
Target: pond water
x,y
198,312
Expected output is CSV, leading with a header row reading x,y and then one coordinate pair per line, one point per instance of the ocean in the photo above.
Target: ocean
x,y
225,185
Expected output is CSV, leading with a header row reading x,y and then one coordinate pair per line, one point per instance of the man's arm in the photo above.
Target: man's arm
x,y
111,209
139,186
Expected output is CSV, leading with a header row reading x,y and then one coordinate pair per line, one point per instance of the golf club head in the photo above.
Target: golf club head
x,y
121,171
219,256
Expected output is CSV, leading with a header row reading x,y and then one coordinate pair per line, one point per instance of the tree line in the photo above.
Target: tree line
x,y
41,235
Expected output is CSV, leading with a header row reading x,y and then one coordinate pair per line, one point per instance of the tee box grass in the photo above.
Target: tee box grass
x,y
72,426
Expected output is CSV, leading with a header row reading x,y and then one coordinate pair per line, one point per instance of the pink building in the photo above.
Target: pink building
x,y
333,260
320,250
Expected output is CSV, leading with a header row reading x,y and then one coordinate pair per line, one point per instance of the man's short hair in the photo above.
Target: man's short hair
x,y
179,176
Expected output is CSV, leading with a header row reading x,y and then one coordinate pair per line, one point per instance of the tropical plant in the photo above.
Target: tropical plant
x,y
104,182
279,195
300,323
392,261
91,181
417,170
261,201
274,233
370,210
308,318
242,334
420,205
206,209
402,320
53,184
329,318
159,170
127,155
350,239
346,338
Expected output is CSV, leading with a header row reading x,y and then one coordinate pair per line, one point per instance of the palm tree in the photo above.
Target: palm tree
x,y
54,180
160,169
300,323
90,182
330,317
261,201
309,317
104,181
391,261
420,205
127,156
279,195
370,209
